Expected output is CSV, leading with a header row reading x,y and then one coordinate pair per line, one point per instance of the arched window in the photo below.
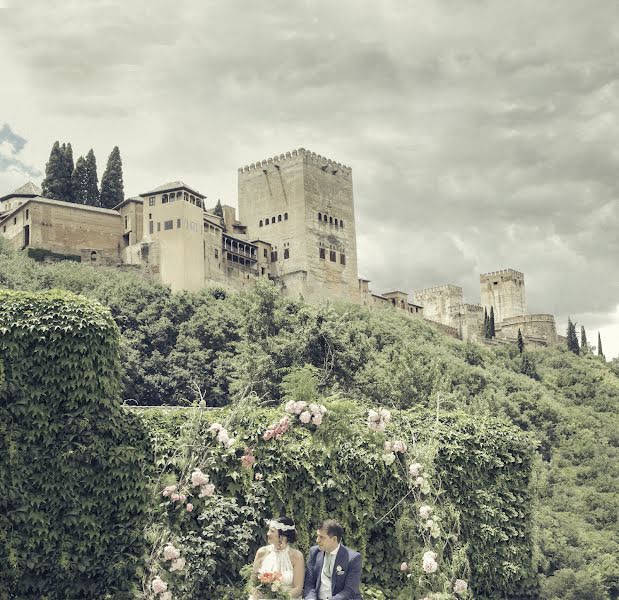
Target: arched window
x,y
266,221
285,216
335,223
279,218
273,219
330,220
320,216
260,223
324,218
286,253
93,256
341,224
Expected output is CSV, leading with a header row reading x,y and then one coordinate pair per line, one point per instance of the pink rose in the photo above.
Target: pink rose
x,y
168,490
170,552
159,585
189,507
268,434
198,478
460,586
258,476
404,567
299,406
178,564
247,460
175,497
305,417
182,497
207,490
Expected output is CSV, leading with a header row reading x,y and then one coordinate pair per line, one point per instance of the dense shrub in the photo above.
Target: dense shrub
x,y
74,494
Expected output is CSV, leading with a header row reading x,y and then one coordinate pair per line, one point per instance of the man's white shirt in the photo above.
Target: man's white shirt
x,y
325,582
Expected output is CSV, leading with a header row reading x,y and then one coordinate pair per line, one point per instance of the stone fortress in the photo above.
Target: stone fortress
x,y
296,227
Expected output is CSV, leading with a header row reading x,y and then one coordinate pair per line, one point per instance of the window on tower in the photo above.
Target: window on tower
x,y
286,253
321,253
332,256
285,216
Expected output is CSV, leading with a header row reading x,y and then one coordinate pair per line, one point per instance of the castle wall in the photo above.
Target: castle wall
x,y
504,291
280,200
533,327
468,319
438,302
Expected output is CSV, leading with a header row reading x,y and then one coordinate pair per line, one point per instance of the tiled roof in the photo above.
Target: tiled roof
x,y
172,185
28,189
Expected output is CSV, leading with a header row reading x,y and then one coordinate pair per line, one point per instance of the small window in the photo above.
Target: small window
x,y
167,225
274,256
272,219
322,253
93,256
14,220
151,201
260,223
279,218
150,226
266,254
158,226
335,222
324,218
185,196
164,199
266,221
150,216
27,214
332,256
178,223
285,216
330,220
341,224
342,259
216,253
320,216
179,194
126,221
4,229
193,199
286,253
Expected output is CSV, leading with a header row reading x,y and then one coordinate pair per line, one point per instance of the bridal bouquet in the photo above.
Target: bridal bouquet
x,y
265,584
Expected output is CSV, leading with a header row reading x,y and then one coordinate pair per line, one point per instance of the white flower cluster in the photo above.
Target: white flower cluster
x,y
429,562
391,449
420,481
159,586
460,586
307,413
201,480
378,420
173,554
222,435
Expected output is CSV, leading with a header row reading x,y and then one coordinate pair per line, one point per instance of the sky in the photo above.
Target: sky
x,y
482,134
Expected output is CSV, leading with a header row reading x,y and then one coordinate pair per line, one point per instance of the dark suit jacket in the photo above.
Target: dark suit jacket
x,y
345,580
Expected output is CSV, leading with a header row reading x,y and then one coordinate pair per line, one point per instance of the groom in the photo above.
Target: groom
x,y
333,571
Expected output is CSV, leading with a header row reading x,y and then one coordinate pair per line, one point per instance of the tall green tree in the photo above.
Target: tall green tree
x,y
572,338
112,189
600,351
53,185
520,341
92,181
219,211
79,181
492,329
486,324
67,161
583,339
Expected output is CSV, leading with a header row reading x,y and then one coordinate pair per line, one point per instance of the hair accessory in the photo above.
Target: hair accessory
x,y
273,524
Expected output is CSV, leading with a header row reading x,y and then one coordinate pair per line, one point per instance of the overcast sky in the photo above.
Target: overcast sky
x,y
482,134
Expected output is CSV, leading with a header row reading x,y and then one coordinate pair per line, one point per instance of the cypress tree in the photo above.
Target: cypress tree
x,y
583,339
53,184
112,190
572,338
67,159
219,211
600,351
492,330
79,181
520,342
91,196
486,323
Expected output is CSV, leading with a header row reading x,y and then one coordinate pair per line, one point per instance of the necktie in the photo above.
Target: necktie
x,y
328,564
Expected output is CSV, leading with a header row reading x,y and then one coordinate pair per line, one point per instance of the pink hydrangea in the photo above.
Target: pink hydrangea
x,y
170,552
198,478
317,419
247,460
182,497
268,434
159,585
404,567
175,497
168,490
207,490
314,408
415,469
305,417
178,564
290,406
425,511
189,507
460,586
284,422
300,406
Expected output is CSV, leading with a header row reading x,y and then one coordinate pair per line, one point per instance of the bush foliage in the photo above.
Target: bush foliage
x,y
74,497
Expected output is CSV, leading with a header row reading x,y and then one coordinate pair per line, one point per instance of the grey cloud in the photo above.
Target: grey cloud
x,y
12,162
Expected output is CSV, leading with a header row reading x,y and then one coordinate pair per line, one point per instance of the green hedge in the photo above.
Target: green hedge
x,y
74,494
338,470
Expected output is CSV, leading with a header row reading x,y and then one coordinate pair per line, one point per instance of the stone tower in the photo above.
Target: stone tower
x,y
302,203
503,290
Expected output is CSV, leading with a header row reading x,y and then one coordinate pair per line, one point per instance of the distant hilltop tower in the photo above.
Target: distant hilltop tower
x,y
504,291
302,203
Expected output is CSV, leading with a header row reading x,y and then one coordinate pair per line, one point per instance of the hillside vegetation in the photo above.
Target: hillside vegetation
x,y
227,345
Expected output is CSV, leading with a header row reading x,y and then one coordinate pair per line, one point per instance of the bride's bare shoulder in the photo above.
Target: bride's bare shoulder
x,y
262,551
294,553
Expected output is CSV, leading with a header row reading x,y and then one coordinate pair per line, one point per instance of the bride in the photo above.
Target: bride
x,y
279,556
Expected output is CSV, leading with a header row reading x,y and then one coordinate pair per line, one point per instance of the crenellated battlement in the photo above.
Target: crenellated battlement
x,y
448,287
512,272
309,157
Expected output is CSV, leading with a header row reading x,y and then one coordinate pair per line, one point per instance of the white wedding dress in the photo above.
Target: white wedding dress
x,y
279,560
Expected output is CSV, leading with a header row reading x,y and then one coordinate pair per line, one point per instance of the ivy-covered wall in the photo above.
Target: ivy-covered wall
x,y
482,467
72,472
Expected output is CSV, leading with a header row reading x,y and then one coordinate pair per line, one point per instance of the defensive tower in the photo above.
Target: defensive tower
x,y
302,203
503,290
